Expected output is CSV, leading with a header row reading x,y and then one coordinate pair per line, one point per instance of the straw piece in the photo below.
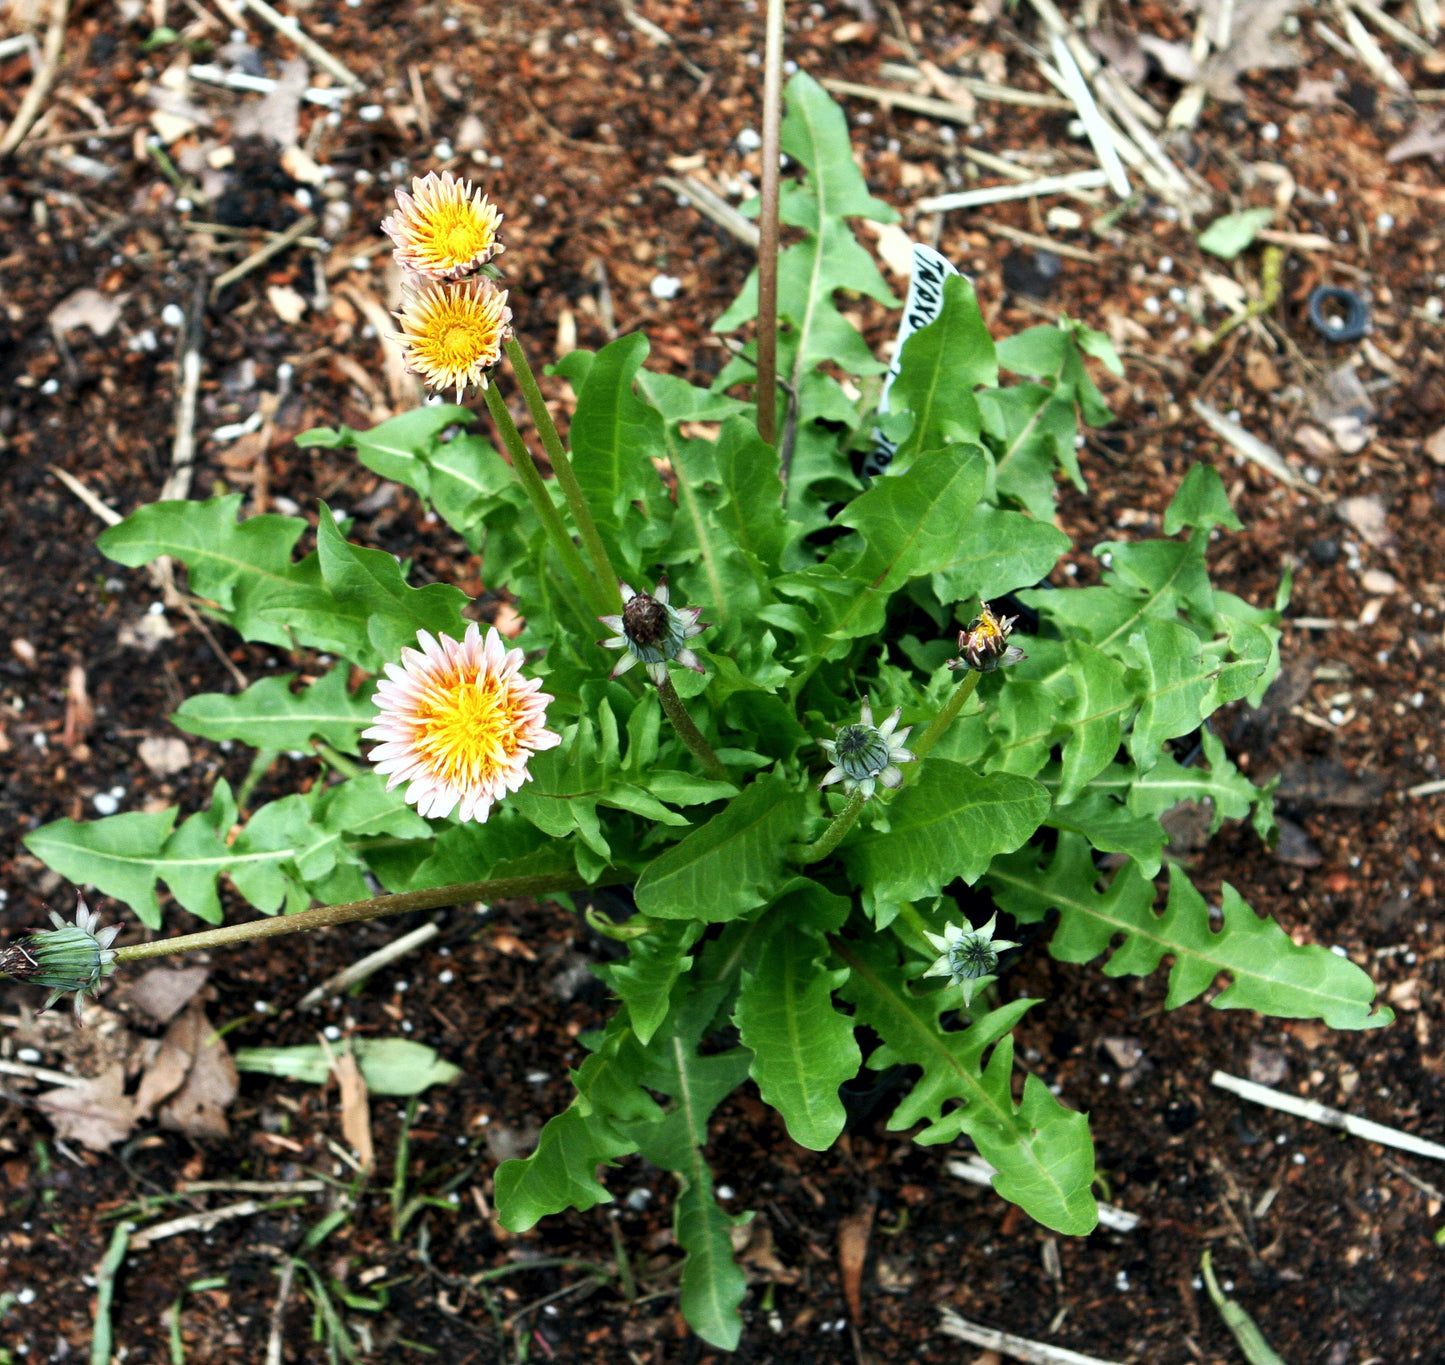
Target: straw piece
x,y
1252,448
995,194
715,207
1316,1112
1020,1348
318,54
1393,28
1100,135
944,109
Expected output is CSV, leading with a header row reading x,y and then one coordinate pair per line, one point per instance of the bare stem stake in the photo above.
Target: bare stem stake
x,y
768,225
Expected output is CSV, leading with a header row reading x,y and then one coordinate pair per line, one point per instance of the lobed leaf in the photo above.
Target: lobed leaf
x,y
803,1048
269,715
950,824
732,864
1269,971
1042,1152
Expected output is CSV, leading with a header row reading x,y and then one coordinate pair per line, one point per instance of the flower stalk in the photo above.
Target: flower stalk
x,y
947,714
803,855
541,500
354,912
688,732
566,475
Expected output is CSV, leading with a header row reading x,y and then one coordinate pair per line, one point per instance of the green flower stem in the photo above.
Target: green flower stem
x,y
542,504
566,475
354,912
345,766
947,714
689,733
908,915
804,854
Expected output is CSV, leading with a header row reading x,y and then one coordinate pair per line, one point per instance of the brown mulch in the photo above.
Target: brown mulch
x,y
570,115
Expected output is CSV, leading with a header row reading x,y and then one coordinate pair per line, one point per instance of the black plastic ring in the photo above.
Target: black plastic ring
x,y
1352,326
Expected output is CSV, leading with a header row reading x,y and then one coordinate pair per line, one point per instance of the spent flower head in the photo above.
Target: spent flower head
x,y
71,957
864,754
652,631
452,334
968,956
444,228
984,645
459,723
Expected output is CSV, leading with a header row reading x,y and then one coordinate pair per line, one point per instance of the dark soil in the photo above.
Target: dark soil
x,y
1326,1240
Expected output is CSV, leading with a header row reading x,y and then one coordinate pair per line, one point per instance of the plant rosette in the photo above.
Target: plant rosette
x,y
777,920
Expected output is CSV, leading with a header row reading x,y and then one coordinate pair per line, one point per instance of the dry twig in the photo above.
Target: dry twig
x,y
1026,189
29,108
291,29
299,229
1316,1112
1005,1343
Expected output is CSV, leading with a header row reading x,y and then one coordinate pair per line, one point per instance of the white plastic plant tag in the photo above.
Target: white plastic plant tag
x,y
922,306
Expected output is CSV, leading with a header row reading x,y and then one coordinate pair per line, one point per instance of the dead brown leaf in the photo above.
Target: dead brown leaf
x,y
853,1235
163,992
97,1114
79,713
1426,137
1175,59
1254,44
355,1108
1435,446
165,1074
1122,50
198,1109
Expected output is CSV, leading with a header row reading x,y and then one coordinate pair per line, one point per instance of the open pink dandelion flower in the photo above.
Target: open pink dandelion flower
x,y
459,722
444,228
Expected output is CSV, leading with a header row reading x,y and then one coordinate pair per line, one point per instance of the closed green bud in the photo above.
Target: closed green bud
x,y
968,957
71,957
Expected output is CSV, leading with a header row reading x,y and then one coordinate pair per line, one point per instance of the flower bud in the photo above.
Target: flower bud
x,y
864,754
652,632
984,644
70,957
969,957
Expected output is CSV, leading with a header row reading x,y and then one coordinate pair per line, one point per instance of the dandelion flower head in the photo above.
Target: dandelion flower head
x,y
452,334
444,228
864,754
459,722
652,631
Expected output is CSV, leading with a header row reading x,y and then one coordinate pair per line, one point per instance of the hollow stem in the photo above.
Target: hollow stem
x,y
690,735
345,766
354,912
804,854
536,489
566,475
947,713
768,228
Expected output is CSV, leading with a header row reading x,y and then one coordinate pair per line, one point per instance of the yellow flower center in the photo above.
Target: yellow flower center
x,y
465,729
457,337
458,234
